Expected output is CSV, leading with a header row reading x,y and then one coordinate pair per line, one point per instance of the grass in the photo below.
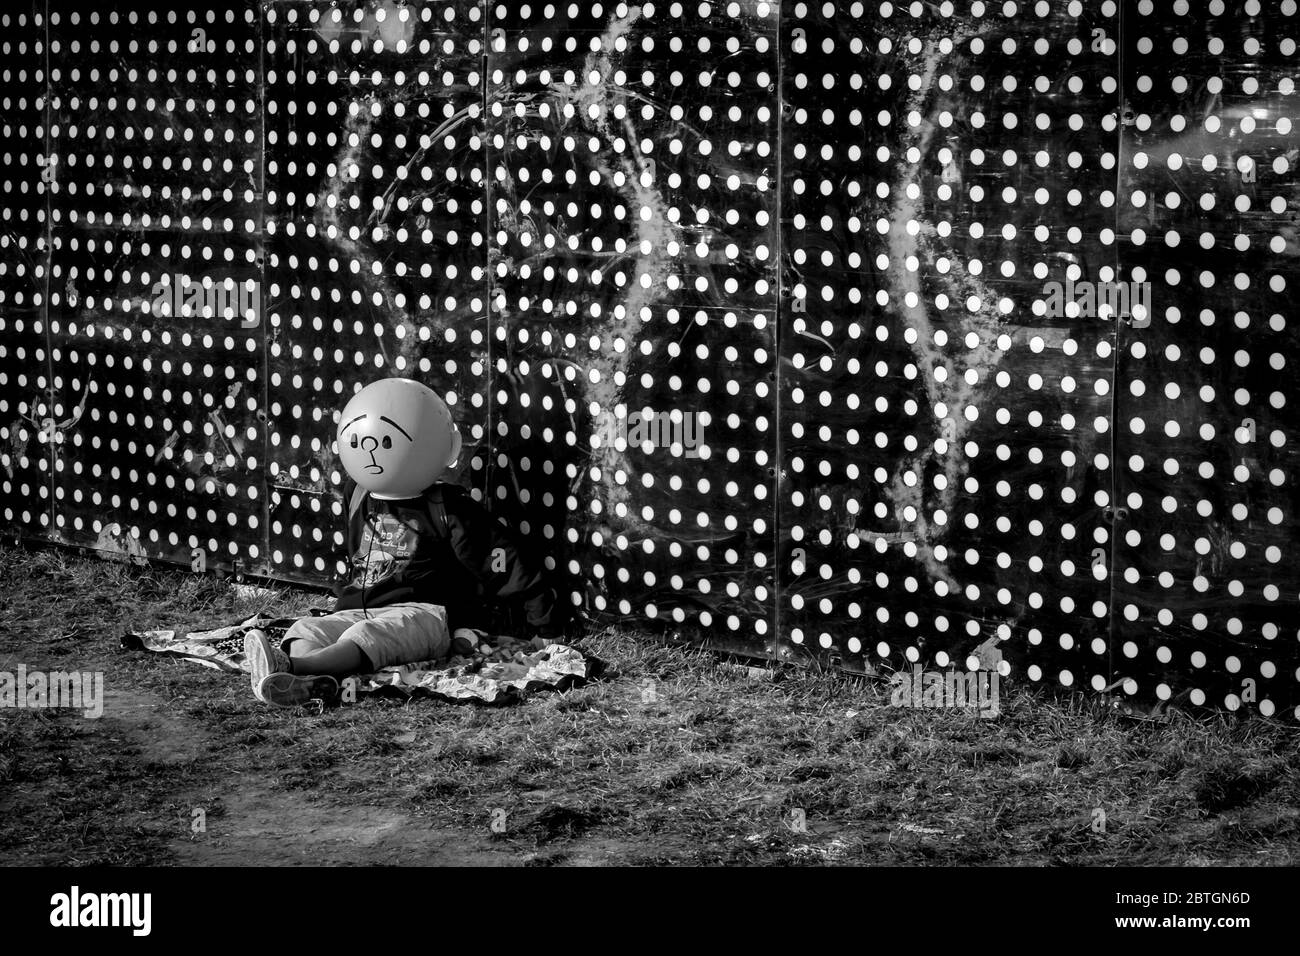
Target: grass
x,y
717,766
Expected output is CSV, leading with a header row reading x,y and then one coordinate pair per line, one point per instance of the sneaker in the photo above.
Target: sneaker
x,y
290,690
269,674
263,658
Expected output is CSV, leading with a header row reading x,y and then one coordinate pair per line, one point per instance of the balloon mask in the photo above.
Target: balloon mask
x,y
396,437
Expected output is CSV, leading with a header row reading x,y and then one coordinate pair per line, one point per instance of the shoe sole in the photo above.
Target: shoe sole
x,y
290,690
259,662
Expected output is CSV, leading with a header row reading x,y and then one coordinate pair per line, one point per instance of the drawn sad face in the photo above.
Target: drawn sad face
x,y
363,438
396,437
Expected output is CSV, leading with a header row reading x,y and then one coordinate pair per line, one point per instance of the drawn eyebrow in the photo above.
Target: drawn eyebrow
x,y
385,418
353,421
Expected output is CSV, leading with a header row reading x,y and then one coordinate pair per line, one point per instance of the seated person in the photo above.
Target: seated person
x,y
423,555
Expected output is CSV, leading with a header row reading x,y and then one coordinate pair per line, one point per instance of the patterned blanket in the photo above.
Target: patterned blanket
x,y
501,670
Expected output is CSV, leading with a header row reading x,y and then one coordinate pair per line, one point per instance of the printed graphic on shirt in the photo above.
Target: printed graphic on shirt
x,y
387,543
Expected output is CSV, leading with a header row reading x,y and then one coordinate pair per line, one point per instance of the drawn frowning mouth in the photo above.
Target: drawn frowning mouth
x,y
375,469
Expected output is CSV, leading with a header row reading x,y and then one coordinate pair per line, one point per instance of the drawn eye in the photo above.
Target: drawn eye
x,y
354,441
388,442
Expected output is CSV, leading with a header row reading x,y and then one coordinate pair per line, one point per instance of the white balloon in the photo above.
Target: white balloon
x,y
396,437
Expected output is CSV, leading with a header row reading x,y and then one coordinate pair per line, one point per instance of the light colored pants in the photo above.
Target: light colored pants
x,y
388,635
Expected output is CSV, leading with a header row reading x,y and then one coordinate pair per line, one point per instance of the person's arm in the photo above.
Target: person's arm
x,y
341,580
501,561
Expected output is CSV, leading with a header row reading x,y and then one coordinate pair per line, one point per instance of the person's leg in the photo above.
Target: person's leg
x,y
272,679
397,634
309,634
273,673
339,659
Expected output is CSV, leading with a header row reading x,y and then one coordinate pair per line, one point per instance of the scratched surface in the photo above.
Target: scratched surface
x,y
821,231
632,178
375,240
25,455
940,432
156,137
1207,578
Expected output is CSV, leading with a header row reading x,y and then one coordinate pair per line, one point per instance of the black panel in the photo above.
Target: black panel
x,y
1208,585
156,126
943,432
633,192
375,239
27,426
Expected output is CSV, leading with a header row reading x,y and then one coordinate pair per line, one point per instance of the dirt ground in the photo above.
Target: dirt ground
x,y
722,764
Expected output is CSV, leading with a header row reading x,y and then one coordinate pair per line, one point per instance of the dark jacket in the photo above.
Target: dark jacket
x,y
397,552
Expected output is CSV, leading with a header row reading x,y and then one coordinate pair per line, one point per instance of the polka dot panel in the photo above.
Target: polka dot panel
x,y
945,429
376,218
25,401
156,350
633,183
1207,583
